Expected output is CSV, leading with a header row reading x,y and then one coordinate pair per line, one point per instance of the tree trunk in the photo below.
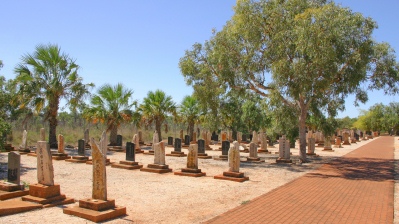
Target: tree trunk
x,y
113,135
191,130
52,135
302,132
158,125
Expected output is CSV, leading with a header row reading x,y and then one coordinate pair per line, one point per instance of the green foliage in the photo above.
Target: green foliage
x,y
5,128
155,109
189,111
379,117
43,79
111,105
310,55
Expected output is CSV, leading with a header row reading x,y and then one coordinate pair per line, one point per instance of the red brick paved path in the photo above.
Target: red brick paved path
x,y
356,188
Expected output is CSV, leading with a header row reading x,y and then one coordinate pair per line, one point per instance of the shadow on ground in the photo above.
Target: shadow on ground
x,y
358,169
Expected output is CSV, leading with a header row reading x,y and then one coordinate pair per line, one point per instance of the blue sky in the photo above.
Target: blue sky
x,y
139,43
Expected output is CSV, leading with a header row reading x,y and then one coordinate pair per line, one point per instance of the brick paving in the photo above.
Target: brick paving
x,y
355,188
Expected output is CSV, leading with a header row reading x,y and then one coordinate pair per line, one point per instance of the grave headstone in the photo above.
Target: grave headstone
x,y
119,140
99,170
311,147
186,140
81,147
61,144
14,168
87,136
255,137
224,136
140,135
192,157
181,134
159,153
225,147
130,151
233,173
244,137
194,138
239,137
263,143
45,170
201,146
24,145
284,151
178,145
346,139
327,144
170,141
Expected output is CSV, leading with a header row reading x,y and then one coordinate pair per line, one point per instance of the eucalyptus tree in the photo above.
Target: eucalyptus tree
x,y
44,78
310,55
190,112
111,105
155,108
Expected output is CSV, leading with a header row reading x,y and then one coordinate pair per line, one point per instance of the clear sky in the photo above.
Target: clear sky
x,y
139,43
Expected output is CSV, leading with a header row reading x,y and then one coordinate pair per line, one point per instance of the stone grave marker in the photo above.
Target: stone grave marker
x,y
186,140
192,163
45,192
99,207
159,165
81,147
177,149
23,148
170,141
130,162
181,134
284,151
119,140
60,154
233,173
81,157
327,144
201,150
136,141
311,147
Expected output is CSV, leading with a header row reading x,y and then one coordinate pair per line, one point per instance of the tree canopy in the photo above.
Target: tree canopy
x,y
309,55
43,79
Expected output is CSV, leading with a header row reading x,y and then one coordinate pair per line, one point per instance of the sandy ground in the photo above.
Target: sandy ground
x,y
167,198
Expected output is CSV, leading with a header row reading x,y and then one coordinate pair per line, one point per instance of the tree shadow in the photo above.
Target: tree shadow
x,y
358,169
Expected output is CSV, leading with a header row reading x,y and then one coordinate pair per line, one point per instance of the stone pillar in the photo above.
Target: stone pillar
x,y
239,137
224,136
255,138
346,139
45,170
253,151
86,137
234,158
181,134
14,168
192,157
311,146
284,151
61,144
99,170
141,141
24,140
327,144
159,153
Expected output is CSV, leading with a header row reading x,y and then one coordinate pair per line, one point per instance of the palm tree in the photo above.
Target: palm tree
x,y
43,79
190,112
111,105
155,108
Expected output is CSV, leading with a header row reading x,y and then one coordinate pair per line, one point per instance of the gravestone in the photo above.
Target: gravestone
x,y
87,139
284,151
239,137
208,141
186,140
337,142
201,150
60,154
81,147
177,149
136,141
181,134
170,141
233,173
263,143
129,163
159,165
253,153
346,139
42,134
327,144
12,188
224,136
230,136
244,138
119,140
23,148
14,168
255,138
225,150
45,192
311,147
141,141
81,157
94,208
192,163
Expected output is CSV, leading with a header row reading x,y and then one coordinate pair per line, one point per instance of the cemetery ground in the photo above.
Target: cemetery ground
x,y
168,198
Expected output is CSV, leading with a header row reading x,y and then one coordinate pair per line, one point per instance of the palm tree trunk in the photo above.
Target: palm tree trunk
x,y
158,125
52,135
113,135
191,130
